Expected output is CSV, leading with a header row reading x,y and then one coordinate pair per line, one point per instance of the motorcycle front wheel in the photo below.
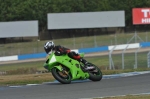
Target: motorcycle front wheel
x,y
62,76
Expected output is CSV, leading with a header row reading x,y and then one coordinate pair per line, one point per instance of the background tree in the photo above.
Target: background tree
x,y
18,10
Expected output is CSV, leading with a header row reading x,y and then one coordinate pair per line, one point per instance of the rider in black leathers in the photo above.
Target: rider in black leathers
x,y
60,50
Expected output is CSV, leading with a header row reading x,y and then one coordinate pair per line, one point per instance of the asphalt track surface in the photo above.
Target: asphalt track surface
x,y
80,90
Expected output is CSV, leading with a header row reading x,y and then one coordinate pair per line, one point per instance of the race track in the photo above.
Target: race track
x,y
78,90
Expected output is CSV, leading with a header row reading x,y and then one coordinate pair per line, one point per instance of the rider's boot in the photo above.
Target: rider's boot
x,y
86,65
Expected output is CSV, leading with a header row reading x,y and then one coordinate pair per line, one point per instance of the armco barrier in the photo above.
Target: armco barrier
x,y
36,55
32,56
96,49
145,44
123,46
9,58
83,50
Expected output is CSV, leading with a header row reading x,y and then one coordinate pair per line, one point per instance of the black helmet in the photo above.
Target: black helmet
x,y
49,46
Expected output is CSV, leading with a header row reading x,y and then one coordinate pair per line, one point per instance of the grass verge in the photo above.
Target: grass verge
x,y
128,97
22,79
7,80
24,73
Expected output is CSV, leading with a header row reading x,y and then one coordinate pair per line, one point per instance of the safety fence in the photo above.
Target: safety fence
x,y
83,50
148,60
36,46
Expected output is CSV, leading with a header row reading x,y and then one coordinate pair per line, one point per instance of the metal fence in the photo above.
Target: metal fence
x,y
129,59
74,43
148,59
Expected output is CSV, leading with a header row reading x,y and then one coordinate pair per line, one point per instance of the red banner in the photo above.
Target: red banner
x,y
141,15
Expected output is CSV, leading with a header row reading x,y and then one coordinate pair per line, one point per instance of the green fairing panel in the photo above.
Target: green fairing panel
x,y
72,64
76,71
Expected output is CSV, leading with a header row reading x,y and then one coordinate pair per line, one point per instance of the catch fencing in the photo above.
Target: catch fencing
x,y
137,58
72,43
148,60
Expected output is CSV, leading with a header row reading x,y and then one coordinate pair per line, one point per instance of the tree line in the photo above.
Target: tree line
x,y
16,10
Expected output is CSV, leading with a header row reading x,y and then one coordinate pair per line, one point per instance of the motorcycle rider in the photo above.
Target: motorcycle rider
x,y
60,50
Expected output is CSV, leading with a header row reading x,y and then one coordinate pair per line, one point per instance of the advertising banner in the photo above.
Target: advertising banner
x,y
19,29
141,15
86,20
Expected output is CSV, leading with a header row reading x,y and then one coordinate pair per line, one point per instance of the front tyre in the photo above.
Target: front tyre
x,y
95,75
61,76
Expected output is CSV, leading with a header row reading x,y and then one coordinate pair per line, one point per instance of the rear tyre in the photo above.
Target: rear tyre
x,y
95,75
62,77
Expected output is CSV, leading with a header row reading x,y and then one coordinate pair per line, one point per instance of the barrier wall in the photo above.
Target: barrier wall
x,y
9,58
96,49
145,44
83,50
31,56
120,47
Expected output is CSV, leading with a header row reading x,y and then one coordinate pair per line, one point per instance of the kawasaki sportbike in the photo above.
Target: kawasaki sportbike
x,y
65,69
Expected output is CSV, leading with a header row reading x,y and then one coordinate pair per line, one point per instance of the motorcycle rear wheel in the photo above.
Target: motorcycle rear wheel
x,y
95,76
62,77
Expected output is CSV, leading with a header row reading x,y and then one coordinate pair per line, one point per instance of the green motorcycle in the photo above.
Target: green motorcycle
x,y
65,69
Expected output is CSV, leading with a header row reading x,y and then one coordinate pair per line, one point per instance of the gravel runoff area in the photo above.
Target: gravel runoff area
x,y
86,55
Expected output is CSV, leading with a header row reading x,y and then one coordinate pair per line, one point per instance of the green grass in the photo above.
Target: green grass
x,y
14,66
128,97
23,73
22,79
100,61
129,60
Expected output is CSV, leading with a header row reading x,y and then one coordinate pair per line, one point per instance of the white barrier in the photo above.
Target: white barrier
x,y
9,58
120,47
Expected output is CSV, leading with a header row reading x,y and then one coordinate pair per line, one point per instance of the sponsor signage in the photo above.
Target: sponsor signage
x,y
86,20
141,15
19,29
